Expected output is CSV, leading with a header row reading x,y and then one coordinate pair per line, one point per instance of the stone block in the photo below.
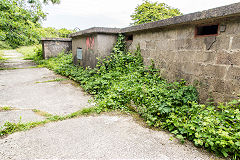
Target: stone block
x,y
190,68
233,73
236,42
221,43
232,87
228,58
183,44
233,28
166,45
145,53
219,97
213,71
150,44
195,56
198,44
185,32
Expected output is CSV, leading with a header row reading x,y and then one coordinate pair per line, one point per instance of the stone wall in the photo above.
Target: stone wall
x,y
53,46
212,63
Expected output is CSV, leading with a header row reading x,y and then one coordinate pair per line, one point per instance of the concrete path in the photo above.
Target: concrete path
x,y
93,137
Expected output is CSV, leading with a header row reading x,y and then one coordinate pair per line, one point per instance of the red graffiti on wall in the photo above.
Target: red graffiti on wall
x,y
90,42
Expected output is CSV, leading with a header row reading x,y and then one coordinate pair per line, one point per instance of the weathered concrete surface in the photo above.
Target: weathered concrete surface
x,y
16,116
103,137
18,88
53,46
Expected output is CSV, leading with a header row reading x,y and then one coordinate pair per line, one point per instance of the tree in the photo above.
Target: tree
x,y
153,11
20,20
53,1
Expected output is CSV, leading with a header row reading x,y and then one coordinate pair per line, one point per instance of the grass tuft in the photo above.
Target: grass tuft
x,y
6,108
10,127
42,113
54,80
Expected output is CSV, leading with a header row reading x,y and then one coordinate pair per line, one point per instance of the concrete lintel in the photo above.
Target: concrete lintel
x,y
93,30
57,39
228,11
215,13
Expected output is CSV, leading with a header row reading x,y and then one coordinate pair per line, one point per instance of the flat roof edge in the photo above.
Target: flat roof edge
x,y
219,12
56,39
96,30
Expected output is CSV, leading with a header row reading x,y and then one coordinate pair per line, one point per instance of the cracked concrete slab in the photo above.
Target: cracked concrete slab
x,y
16,116
102,137
18,88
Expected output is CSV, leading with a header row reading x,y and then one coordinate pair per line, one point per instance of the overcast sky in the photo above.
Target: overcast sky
x,y
112,13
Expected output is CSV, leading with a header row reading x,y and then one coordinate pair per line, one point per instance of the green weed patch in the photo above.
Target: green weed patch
x,y
54,80
9,128
6,108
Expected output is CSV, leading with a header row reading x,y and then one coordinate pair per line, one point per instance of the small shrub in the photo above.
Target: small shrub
x,y
4,45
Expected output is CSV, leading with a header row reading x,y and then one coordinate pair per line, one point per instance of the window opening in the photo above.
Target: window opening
x,y
129,38
206,30
79,53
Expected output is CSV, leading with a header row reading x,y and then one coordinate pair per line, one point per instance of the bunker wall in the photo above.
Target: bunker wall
x,y
53,46
212,63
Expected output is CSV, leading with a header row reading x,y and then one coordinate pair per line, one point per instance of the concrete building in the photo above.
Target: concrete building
x,y
93,43
53,46
202,48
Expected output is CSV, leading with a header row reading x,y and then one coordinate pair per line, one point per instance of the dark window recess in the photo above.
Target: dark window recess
x,y
206,30
129,38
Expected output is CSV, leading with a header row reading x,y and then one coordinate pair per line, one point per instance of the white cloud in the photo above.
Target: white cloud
x,y
113,13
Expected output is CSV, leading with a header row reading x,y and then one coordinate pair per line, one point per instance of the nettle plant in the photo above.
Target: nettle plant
x,y
121,81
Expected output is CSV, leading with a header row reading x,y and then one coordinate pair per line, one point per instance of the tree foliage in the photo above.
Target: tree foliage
x,y
20,21
50,32
153,11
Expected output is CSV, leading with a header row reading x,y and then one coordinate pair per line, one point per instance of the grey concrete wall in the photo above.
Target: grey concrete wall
x,y
211,63
53,46
93,46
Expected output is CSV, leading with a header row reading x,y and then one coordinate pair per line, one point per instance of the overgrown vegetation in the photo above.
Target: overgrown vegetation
x,y
20,23
2,59
29,52
55,33
122,82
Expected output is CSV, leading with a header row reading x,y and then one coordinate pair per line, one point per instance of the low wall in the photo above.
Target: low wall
x,y
53,46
